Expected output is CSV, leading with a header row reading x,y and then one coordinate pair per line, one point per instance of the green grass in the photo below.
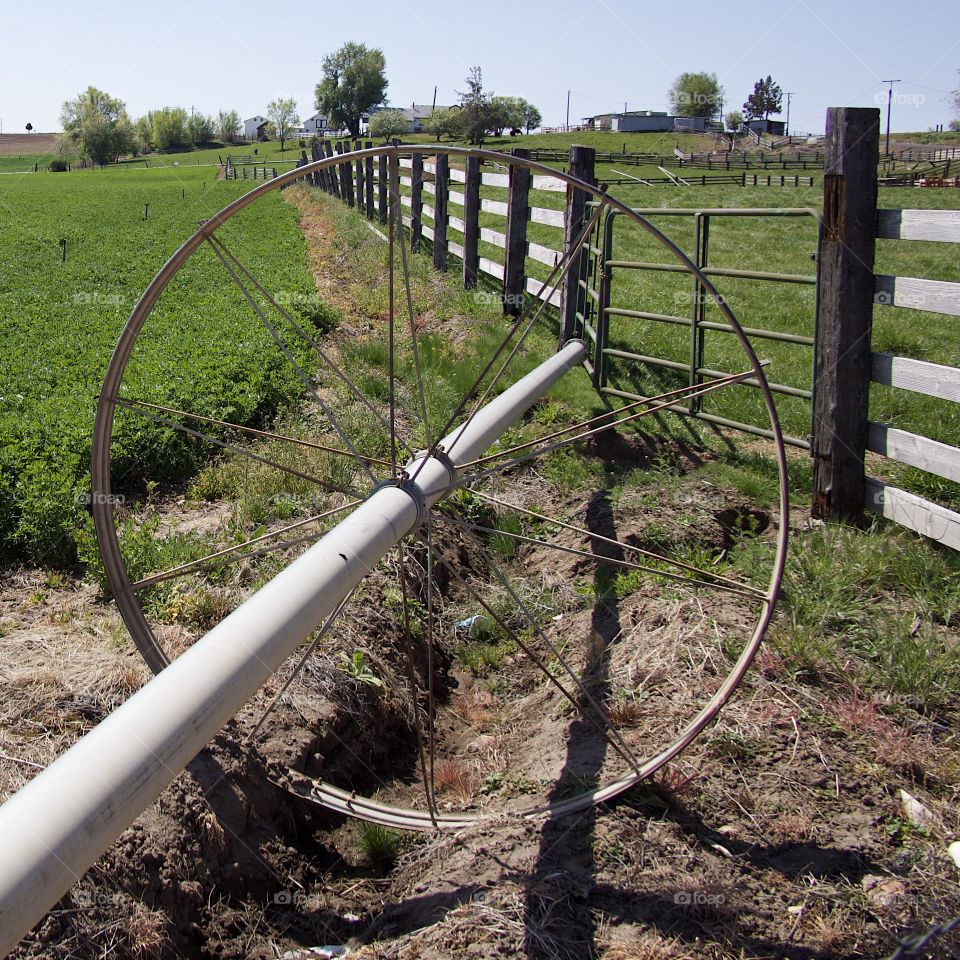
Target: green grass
x,y
202,350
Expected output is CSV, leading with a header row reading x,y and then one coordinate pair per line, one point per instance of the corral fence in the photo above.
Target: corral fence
x,y
711,161
454,209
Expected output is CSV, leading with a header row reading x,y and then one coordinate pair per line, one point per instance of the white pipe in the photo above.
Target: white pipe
x,y
56,826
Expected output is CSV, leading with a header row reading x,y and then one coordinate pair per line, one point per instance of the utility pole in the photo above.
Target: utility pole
x,y
568,110
790,94
433,109
886,148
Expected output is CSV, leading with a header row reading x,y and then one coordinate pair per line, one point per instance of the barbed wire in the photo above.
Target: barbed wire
x,y
911,946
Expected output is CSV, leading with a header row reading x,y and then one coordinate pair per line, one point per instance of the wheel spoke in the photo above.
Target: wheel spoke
x,y
216,242
562,267
414,687
321,633
599,558
638,415
207,563
266,434
243,451
731,585
415,347
220,250
681,393
595,717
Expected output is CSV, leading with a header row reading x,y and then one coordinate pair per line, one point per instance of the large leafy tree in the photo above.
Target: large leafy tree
x,y
444,122
475,110
200,129
283,115
97,125
168,128
767,98
354,81
387,124
531,117
228,125
696,95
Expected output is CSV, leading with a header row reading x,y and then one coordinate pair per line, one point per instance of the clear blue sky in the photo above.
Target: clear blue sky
x,y
239,54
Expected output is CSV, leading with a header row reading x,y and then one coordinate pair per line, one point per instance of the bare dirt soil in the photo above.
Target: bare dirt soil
x,y
15,144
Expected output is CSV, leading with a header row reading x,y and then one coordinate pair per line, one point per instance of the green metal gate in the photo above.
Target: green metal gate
x,y
598,313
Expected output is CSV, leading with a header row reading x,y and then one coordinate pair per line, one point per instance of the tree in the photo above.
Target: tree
x,y
200,129
474,108
531,117
29,128
228,125
143,135
283,115
696,95
168,128
444,122
354,81
506,113
97,126
388,124
767,98
734,120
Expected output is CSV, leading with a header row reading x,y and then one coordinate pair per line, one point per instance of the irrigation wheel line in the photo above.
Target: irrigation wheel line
x,y
128,598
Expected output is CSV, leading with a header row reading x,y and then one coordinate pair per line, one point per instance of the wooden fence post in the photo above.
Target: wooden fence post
x,y
319,180
346,177
369,180
382,188
332,169
441,185
518,215
358,164
844,312
471,223
416,201
582,164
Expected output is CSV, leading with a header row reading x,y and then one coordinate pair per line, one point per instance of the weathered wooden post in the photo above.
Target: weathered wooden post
x,y
518,215
582,164
844,312
416,201
332,170
441,186
346,178
319,178
368,163
358,165
382,188
471,223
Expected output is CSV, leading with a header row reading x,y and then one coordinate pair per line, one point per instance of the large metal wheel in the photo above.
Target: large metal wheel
x,y
612,718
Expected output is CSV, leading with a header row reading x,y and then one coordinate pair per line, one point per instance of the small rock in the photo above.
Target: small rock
x,y
883,892
483,744
954,851
728,830
915,811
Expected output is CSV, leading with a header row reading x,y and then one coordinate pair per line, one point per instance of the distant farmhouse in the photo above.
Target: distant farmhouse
x,y
647,121
255,128
415,114
652,121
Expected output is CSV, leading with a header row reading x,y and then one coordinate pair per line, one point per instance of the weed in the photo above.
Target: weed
x,y
380,846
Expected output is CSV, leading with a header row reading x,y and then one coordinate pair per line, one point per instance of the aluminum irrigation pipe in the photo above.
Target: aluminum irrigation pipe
x,y
55,827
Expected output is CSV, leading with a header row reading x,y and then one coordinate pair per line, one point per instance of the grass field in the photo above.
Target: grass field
x,y
60,321
121,223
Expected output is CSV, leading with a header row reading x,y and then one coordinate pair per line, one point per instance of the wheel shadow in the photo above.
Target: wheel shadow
x,y
558,923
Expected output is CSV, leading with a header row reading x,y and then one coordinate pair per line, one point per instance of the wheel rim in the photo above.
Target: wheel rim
x,y
331,795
